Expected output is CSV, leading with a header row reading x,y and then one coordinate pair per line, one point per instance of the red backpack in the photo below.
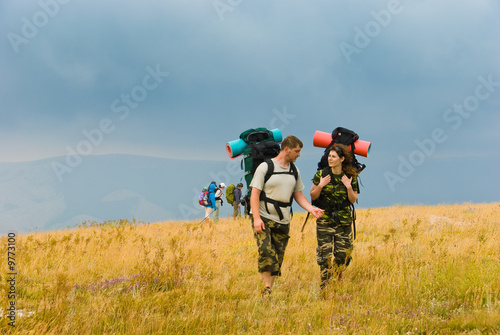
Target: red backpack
x,y
203,198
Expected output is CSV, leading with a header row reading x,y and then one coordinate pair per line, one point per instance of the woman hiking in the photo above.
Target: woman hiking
x,y
334,189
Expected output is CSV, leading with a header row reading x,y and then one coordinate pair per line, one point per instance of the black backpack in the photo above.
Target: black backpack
x,y
256,153
346,137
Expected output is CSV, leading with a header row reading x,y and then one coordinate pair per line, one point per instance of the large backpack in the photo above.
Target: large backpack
x,y
204,198
346,137
261,147
230,194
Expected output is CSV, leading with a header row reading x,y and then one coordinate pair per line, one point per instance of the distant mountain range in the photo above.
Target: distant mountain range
x,y
63,192
51,194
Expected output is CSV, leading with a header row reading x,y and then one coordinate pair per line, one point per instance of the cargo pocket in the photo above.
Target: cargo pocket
x,y
319,256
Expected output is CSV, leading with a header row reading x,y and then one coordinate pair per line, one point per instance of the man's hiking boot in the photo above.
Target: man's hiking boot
x,y
325,278
266,292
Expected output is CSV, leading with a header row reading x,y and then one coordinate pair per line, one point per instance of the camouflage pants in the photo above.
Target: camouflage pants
x,y
333,253
271,245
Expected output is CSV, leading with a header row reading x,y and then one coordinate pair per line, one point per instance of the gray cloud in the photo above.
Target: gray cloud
x,y
228,73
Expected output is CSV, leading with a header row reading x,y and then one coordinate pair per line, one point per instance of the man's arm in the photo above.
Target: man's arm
x,y
304,203
258,224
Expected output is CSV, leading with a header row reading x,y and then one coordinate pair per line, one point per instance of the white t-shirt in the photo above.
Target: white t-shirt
x,y
279,187
218,193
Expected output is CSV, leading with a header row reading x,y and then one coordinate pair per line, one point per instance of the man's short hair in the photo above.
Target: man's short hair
x,y
291,142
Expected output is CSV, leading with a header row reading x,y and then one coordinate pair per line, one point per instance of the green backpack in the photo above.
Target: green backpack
x,y
229,194
261,146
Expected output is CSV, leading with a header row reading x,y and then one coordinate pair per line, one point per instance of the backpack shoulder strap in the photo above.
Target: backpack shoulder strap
x,y
325,172
270,170
263,196
294,171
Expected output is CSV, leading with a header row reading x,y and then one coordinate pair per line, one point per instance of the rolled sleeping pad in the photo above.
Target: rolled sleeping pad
x,y
322,140
235,148
277,136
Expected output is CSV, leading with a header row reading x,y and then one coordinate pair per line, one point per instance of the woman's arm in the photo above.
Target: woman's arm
x,y
316,189
351,194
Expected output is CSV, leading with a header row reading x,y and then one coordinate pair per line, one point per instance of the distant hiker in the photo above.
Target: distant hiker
x,y
237,200
203,198
218,201
334,189
211,205
275,184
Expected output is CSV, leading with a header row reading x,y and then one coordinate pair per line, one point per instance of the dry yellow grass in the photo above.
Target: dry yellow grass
x,y
415,269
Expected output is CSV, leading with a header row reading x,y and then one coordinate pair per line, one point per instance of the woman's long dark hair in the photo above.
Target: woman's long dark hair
x,y
347,167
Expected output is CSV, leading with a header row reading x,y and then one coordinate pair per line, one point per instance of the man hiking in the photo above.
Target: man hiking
x,y
237,200
275,184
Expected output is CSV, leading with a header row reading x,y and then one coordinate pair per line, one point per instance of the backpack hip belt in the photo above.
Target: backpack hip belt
x,y
345,205
277,204
329,208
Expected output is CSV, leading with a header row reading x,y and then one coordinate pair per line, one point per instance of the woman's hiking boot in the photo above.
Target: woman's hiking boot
x,y
266,292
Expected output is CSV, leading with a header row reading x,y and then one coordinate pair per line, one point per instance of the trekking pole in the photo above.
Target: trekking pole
x,y
304,225
353,221
207,216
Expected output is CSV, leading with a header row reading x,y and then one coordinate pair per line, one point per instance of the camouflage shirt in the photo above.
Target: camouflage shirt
x,y
335,193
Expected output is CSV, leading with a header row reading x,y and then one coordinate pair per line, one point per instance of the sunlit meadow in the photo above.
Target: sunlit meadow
x,y
415,270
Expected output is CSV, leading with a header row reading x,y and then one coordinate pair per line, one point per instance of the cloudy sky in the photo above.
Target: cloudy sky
x,y
178,79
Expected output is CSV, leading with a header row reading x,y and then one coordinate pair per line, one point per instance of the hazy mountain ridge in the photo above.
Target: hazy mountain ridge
x,y
110,187
101,188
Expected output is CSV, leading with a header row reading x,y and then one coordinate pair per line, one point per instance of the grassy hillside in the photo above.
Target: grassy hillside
x,y
415,269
